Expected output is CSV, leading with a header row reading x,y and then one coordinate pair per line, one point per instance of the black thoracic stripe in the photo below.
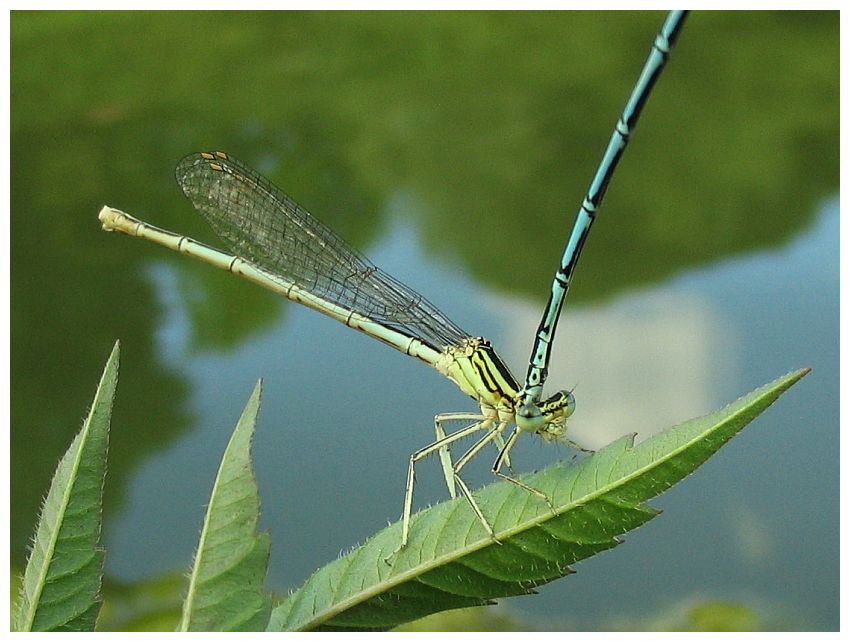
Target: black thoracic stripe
x,y
480,365
503,371
488,358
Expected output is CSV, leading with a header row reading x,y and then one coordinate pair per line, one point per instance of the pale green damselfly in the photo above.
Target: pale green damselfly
x,y
275,243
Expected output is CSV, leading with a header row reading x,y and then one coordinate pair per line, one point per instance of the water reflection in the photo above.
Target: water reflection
x,y
341,413
449,147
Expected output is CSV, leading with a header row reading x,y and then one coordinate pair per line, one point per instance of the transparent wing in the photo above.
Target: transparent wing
x,y
262,225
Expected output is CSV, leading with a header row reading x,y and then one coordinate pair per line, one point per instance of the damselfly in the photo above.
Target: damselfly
x,y
277,244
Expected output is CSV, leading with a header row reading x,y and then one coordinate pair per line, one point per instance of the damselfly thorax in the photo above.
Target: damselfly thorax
x,y
478,371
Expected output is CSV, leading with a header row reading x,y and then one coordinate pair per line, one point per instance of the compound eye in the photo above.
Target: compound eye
x,y
569,403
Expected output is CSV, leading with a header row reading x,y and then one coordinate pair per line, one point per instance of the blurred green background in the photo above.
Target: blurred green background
x,y
454,149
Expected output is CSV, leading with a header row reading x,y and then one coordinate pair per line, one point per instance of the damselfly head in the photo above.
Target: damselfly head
x,y
547,418
555,410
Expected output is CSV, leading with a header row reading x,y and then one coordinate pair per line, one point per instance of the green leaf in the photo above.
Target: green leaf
x,y
60,590
226,584
450,562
